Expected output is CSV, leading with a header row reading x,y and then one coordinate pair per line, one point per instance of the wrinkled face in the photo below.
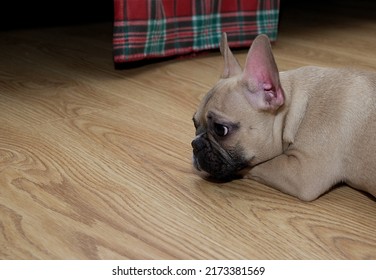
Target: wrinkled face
x,y
231,135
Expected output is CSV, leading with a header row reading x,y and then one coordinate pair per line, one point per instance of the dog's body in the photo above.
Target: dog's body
x,y
301,131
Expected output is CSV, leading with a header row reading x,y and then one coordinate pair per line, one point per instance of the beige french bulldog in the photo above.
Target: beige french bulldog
x,y
301,131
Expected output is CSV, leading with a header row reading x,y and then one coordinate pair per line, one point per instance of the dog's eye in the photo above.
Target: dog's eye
x,y
220,130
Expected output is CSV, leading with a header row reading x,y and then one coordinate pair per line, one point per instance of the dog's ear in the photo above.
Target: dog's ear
x,y
261,76
232,66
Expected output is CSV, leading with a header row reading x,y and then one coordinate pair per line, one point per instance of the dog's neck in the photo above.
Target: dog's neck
x,y
291,114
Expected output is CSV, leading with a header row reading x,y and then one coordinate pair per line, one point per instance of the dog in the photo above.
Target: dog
x,y
300,131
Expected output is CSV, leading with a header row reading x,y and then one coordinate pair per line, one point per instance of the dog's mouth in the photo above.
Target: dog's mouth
x,y
196,164
220,176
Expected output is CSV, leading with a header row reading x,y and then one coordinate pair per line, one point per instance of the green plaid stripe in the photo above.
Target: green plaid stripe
x,y
267,22
207,31
156,36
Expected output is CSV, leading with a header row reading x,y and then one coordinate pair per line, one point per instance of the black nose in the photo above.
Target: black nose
x,y
197,145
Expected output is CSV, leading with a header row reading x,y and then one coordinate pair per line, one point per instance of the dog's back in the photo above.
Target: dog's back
x,y
339,123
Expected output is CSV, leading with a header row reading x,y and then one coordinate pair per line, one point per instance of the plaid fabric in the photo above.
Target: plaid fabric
x,y
160,28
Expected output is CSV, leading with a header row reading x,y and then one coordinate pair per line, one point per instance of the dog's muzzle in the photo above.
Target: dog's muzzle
x,y
210,157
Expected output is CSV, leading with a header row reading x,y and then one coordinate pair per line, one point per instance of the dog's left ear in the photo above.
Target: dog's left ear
x,y
232,66
261,76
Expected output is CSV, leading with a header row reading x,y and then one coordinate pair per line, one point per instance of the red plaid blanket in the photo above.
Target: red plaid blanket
x,y
160,28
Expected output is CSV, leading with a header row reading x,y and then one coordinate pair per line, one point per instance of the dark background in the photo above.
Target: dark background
x,y
15,14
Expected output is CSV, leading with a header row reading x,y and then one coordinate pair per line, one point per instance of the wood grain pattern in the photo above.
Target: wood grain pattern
x,y
95,163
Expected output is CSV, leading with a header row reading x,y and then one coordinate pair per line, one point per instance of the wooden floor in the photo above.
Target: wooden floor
x,y
95,163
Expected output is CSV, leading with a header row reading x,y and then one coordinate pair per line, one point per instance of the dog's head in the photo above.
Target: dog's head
x,y
234,121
